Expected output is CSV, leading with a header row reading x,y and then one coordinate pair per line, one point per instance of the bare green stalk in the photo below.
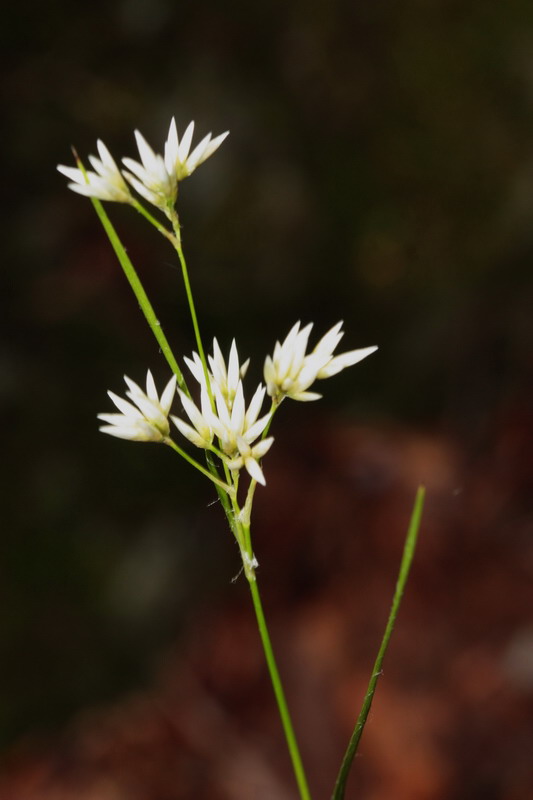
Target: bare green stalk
x,y
407,558
138,290
212,477
286,722
176,241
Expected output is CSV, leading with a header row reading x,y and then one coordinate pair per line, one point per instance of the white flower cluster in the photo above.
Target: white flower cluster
x,y
155,177
289,372
147,420
222,413
235,426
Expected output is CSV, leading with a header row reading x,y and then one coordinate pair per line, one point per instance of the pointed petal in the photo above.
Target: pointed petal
x,y
127,408
330,340
309,370
185,144
141,189
168,395
262,447
196,368
254,470
171,147
269,373
105,155
134,166
195,157
72,173
218,366
133,387
189,433
255,406
233,367
113,418
305,396
146,153
222,409
244,368
344,360
238,411
196,417
151,391
150,411
213,145
256,429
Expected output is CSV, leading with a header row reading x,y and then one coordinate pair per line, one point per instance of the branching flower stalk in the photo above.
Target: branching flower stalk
x,y
215,416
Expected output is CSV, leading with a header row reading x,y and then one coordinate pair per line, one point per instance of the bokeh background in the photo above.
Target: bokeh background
x,y
380,171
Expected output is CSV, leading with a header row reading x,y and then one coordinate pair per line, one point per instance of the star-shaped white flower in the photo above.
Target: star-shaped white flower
x,y
105,183
147,420
178,160
225,377
151,178
249,457
289,372
236,428
241,422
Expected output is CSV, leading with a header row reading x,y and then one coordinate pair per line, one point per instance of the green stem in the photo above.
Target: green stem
x,y
222,495
273,408
407,558
292,745
176,241
140,294
152,220
224,486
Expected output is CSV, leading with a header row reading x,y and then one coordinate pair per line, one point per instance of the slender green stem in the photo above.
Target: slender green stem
x,y
222,495
226,493
140,294
244,539
153,221
273,408
192,309
407,558
224,486
292,745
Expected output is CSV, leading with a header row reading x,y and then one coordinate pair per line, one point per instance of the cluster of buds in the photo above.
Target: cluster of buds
x,y
222,422
155,177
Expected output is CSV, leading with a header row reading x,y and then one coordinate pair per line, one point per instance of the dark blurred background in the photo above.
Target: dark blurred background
x,y
379,170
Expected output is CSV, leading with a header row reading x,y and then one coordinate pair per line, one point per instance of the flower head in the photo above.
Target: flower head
x,y
178,160
105,183
151,178
147,420
226,377
289,372
249,456
241,422
235,426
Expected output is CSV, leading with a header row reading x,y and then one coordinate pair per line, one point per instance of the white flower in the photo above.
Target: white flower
x,y
151,178
147,420
236,428
226,377
249,456
178,161
289,372
240,422
105,183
